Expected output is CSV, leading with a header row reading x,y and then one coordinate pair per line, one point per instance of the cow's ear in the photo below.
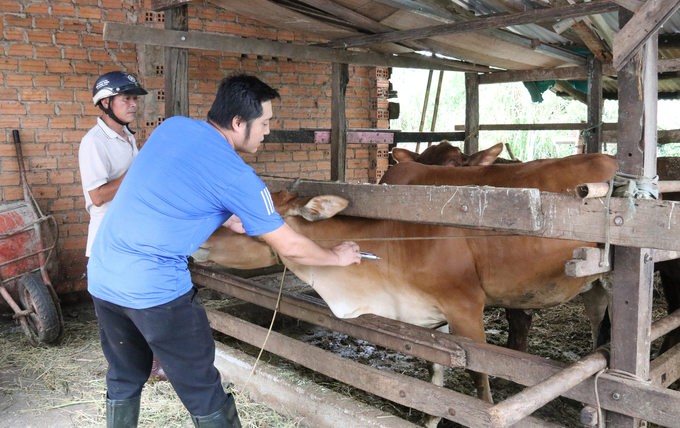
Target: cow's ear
x,y
322,207
403,155
486,157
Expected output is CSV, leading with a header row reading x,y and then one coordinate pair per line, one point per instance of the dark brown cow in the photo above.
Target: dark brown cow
x,y
427,282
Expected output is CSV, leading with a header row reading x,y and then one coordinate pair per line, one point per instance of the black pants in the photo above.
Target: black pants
x,y
179,334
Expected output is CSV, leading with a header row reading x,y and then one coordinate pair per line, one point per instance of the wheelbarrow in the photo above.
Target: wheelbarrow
x,y
28,240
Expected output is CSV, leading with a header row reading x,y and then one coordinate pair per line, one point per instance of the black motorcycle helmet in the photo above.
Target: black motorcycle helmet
x,y
112,84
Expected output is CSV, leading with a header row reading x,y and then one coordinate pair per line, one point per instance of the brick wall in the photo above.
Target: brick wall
x,y
52,52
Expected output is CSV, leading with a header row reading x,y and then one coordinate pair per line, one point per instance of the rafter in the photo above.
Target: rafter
x,y
590,8
640,28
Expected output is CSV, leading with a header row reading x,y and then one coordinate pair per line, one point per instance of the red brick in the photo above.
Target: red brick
x,y
16,35
34,150
20,49
19,80
63,204
13,193
32,65
60,67
12,108
61,177
115,15
38,8
9,64
66,191
7,150
47,81
70,109
73,25
8,94
10,6
100,56
60,95
75,82
48,137
89,12
67,38
96,28
39,36
72,243
47,52
44,163
87,68
47,23
62,122
86,122
17,21
63,10
69,163
9,179
75,53
34,122
126,56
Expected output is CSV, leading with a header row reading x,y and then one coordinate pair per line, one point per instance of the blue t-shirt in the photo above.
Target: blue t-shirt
x,y
183,185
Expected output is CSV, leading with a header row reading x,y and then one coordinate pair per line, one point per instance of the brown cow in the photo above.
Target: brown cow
x,y
427,282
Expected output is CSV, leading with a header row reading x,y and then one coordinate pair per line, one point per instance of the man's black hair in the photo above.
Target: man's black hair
x,y
241,96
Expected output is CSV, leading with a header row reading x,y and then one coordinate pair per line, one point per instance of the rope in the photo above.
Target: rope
x,y
586,131
276,309
617,373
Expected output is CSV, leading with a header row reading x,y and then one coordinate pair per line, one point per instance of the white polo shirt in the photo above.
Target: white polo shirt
x,y
104,156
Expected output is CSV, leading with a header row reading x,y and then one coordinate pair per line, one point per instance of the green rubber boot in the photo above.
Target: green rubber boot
x,y
226,417
122,413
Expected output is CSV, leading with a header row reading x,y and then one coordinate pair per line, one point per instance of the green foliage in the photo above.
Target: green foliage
x,y
505,104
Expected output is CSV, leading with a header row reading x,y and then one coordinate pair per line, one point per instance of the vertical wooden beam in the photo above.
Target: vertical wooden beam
x,y
339,82
471,113
177,66
593,137
633,271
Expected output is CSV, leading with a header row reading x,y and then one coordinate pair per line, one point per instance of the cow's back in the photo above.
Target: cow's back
x,y
559,175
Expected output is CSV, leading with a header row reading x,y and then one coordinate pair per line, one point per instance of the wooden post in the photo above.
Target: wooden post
x,y
471,113
633,270
177,66
426,99
593,137
436,103
339,83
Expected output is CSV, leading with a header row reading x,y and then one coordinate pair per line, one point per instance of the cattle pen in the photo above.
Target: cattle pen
x,y
180,48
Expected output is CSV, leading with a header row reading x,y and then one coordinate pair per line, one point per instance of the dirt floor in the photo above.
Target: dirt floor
x,y
64,386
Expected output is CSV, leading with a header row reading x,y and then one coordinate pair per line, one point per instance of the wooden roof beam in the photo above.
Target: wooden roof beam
x,y
126,33
160,5
645,23
564,73
529,17
632,5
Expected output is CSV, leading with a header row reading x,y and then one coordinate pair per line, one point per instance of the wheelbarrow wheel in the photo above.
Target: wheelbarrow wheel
x,y
44,323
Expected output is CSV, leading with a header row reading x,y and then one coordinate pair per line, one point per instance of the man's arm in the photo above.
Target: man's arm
x,y
300,249
105,192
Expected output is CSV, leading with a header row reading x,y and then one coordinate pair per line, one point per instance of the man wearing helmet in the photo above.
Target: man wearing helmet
x,y
107,150
187,182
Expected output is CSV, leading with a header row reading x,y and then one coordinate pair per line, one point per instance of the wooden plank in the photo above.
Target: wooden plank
x,y
407,391
648,402
538,126
633,275
564,86
645,24
664,370
529,17
339,81
531,399
632,5
471,113
665,325
593,137
655,224
177,66
193,40
420,342
428,137
159,5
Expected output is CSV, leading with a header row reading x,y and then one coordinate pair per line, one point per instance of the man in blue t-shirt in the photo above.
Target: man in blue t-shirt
x,y
186,182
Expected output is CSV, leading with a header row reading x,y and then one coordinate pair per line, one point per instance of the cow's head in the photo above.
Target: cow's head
x,y
240,251
288,204
444,154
